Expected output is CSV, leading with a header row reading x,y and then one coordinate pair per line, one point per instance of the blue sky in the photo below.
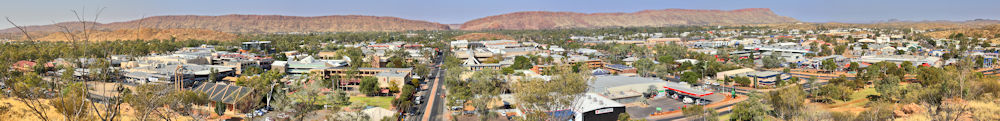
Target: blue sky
x,y
39,12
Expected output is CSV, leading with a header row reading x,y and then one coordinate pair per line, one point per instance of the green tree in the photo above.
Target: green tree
x,y
691,77
70,104
521,62
67,75
422,71
146,99
624,117
507,70
787,102
368,86
644,65
213,75
393,87
252,70
839,49
835,91
185,100
750,110
854,66
829,65
930,75
538,95
908,67
743,81
694,111
888,87
773,61
339,97
220,108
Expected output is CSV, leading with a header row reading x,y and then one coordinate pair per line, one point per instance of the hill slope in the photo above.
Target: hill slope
x,y
555,20
144,33
259,24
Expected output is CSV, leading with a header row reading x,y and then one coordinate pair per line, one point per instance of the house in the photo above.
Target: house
x,y
389,77
630,60
24,66
590,63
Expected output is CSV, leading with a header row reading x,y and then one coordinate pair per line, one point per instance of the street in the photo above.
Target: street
x,y
432,111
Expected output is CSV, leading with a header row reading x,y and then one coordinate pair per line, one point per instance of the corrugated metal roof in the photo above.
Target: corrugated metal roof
x,y
222,92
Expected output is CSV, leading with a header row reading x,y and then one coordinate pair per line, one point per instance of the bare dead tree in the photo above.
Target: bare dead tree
x,y
113,103
25,32
69,35
29,96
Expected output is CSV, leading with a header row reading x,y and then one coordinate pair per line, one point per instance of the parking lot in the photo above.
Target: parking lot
x,y
666,104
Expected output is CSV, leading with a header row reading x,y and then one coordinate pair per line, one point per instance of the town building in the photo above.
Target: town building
x,y
593,107
623,89
385,75
620,69
224,93
264,46
169,72
899,59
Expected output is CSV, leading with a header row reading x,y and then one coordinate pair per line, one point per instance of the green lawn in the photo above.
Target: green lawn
x,y
726,117
384,102
863,93
857,95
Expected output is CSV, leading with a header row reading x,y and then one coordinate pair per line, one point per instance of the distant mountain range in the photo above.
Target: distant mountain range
x,y
259,24
195,27
667,17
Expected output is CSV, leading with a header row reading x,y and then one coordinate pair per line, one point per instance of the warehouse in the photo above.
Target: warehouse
x,y
593,107
623,89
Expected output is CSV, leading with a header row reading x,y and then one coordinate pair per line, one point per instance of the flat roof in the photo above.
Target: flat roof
x,y
591,101
686,89
614,81
619,67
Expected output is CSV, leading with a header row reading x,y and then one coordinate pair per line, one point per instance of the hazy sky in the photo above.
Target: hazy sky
x,y
38,12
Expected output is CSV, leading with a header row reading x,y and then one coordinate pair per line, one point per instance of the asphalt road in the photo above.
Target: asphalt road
x,y
431,111
437,107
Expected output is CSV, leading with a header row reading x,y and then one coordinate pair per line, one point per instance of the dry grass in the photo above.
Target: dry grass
x,y
20,112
